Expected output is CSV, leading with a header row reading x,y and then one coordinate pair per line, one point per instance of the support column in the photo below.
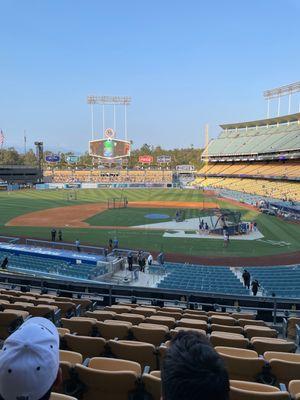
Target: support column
x,y
114,118
92,115
278,108
125,120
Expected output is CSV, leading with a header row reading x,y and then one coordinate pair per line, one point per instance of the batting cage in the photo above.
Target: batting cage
x,y
117,202
225,218
72,195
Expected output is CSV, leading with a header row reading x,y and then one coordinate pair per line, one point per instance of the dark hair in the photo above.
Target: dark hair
x,y
193,370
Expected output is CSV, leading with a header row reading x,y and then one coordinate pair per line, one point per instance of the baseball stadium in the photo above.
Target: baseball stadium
x,y
128,257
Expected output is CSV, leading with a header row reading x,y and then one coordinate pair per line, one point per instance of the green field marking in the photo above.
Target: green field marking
x,y
17,203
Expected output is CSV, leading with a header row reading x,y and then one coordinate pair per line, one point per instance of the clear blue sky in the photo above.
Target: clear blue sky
x,y
185,63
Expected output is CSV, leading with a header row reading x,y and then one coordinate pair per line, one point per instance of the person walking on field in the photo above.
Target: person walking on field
x,y
255,285
60,235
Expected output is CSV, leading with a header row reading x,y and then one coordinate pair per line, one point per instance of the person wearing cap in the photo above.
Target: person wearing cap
x,y
29,362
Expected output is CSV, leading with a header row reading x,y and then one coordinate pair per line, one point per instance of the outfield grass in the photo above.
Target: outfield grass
x,y
13,204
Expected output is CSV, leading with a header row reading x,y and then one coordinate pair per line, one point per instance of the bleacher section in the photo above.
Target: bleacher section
x,y
201,279
283,190
159,176
283,281
283,170
264,137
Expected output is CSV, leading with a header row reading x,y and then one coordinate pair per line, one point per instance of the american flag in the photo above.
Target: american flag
x,y
1,138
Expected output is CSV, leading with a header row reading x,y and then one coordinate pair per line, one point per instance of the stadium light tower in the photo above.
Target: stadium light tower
x,y
109,101
279,92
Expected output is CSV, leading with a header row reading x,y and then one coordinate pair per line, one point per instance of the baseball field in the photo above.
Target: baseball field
x,y
32,213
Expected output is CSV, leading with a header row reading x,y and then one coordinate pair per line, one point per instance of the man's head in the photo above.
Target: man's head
x,y
29,361
193,370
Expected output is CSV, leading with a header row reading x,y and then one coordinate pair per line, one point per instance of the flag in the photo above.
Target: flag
x,y
1,138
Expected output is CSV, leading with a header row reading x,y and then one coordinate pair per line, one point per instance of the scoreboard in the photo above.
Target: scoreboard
x,y
109,148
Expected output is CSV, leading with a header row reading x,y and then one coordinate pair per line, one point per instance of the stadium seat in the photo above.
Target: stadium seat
x,y
174,332
242,315
285,366
118,309
87,346
192,323
151,333
222,320
291,328
108,379
62,332
83,326
240,390
141,352
241,364
172,314
67,309
67,361
294,389
227,328
152,384
260,331
261,345
200,317
60,396
135,319
10,320
101,315
145,311
242,322
161,320
111,329
228,340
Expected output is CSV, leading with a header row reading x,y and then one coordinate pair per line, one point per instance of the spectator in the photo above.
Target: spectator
x,y
150,259
60,235
130,260
53,234
4,263
77,244
193,370
29,361
115,243
246,277
161,258
255,285
140,259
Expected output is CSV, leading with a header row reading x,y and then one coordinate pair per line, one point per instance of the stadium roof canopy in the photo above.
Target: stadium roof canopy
x,y
263,122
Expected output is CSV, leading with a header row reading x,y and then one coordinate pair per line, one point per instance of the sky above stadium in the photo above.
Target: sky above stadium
x,y
184,63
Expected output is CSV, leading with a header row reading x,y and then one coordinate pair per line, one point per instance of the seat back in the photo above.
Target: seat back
x,y
241,364
87,346
240,390
152,384
140,352
111,329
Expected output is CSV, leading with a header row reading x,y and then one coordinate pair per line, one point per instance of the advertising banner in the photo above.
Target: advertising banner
x,y
72,159
163,159
53,158
145,159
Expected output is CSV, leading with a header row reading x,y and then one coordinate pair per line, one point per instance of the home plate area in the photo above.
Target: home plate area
x,y
189,228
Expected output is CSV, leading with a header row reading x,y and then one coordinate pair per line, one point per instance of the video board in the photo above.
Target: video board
x,y
109,149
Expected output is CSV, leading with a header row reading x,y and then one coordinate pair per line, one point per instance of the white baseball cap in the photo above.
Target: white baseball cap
x,y
29,360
